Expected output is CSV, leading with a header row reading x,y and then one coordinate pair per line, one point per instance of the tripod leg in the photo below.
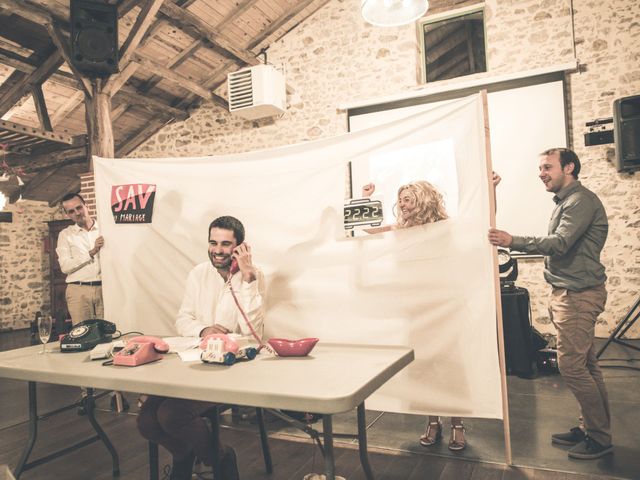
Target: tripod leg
x,y
614,335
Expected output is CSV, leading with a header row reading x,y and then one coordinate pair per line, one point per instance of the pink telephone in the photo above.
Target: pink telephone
x,y
141,350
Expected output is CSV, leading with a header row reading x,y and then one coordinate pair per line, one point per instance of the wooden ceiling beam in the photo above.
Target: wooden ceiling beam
x,y
73,102
72,186
39,75
172,76
115,82
62,43
33,163
41,108
195,27
34,132
145,18
41,177
132,96
141,136
235,13
280,22
26,9
125,6
64,78
28,65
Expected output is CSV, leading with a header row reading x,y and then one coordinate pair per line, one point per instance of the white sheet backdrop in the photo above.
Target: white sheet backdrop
x,y
430,287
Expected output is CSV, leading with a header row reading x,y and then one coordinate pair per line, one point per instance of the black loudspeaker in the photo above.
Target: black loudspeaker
x,y
94,37
626,126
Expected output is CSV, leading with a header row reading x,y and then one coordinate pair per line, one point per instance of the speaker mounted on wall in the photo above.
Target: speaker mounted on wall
x,y
626,121
94,37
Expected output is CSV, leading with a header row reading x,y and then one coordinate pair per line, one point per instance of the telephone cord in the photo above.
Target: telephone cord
x,y
261,343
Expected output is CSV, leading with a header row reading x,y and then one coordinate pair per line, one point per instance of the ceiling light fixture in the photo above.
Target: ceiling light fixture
x,y
392,13
3,201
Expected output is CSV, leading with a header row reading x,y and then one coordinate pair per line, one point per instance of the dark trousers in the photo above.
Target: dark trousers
x,y
178,426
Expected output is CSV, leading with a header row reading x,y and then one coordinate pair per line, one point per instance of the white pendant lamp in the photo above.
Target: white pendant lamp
x,y
3,201
392,13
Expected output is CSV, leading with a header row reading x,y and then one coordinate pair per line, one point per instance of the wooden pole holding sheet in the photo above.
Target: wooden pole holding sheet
x,y
496,283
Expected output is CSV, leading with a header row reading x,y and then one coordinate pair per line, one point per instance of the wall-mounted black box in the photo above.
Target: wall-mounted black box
x,y
6,217
600,137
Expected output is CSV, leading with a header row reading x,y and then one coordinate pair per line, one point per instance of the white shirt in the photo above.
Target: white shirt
x,y
73,248
207,301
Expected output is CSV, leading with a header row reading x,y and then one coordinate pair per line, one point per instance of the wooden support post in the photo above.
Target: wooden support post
x,y
98,116
496,281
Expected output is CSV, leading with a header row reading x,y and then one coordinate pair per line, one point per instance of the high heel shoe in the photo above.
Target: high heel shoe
x,y
432,435
457,441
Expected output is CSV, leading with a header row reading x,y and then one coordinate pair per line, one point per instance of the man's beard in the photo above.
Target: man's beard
x,y
223,264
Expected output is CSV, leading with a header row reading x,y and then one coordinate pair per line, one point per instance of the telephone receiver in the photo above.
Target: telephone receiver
x,y
140,350
87,334
234,267
159,345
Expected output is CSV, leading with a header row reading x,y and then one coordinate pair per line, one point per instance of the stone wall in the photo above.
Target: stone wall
x,y
335,58
24,263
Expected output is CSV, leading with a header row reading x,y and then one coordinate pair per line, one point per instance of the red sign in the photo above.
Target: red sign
x,y
133,203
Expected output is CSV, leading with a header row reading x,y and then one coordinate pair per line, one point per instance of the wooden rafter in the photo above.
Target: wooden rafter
x,y
195,27
115,82
143,22
73,102
141,136
133,97
235,13
280,22
172,76
62,43
41,107
20,89
34,132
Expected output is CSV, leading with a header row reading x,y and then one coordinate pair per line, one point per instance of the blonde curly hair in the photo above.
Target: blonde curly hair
x,y
429,205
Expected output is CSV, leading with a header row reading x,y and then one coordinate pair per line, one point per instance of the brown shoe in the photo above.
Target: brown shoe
x,y
432,435
457,441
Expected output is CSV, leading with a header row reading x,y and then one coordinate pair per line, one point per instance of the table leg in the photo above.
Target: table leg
x,y
154,473
266,453
362,442
327,433
215,438
89,404
33,430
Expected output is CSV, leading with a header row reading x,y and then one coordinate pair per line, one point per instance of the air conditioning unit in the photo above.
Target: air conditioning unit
x,y
257,92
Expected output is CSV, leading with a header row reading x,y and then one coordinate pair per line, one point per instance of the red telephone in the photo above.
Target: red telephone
x,y
234,266
140,350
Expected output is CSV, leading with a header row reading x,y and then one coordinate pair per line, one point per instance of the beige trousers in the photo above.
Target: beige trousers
x,y
574,314
84,302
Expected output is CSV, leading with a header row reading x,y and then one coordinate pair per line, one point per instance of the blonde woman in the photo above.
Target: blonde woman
x,y
418,203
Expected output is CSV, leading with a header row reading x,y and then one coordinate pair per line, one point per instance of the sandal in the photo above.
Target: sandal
x,y
457,441
432,435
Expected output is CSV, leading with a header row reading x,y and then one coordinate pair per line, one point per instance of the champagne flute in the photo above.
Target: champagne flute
x,y
44,330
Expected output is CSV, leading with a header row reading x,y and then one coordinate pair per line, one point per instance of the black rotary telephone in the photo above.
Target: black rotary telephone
x,y
86,335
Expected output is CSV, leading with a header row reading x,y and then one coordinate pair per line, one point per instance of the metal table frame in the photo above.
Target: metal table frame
x,y
88,402
321,384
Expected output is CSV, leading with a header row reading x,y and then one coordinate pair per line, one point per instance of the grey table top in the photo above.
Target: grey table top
x,y
332,379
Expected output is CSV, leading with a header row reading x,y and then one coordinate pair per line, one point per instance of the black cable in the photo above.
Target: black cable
x,y
126,333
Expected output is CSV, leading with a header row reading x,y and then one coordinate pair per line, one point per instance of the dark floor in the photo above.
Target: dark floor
x,y
538,407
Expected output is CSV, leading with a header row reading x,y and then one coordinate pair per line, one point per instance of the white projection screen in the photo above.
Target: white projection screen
x,y
431,287
524,121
